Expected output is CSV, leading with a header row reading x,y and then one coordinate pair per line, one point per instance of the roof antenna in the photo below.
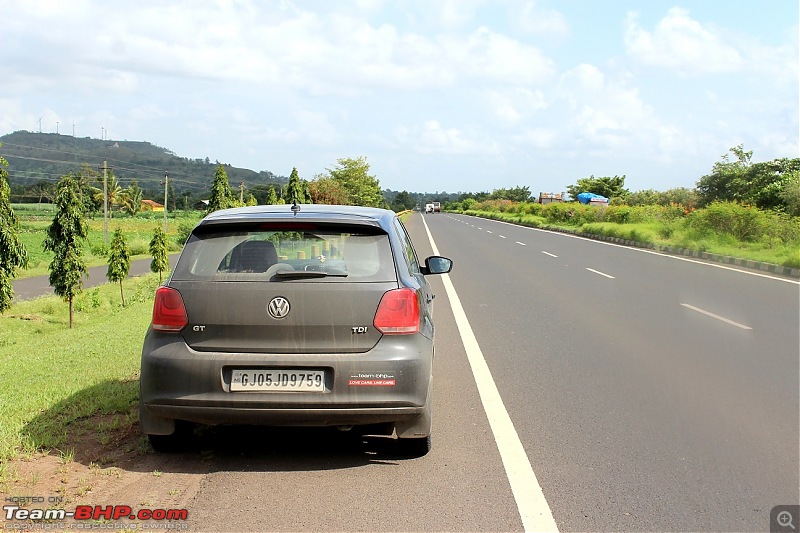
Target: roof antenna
x,y
295,208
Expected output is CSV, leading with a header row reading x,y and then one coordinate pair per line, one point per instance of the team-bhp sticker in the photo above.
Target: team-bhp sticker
x,y
372,380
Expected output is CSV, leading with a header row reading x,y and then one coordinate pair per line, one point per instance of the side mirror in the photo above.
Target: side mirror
x,y
437,265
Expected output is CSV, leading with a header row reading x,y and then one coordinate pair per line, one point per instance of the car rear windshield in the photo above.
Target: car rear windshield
x,y
286,252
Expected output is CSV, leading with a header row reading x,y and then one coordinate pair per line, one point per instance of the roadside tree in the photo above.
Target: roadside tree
x,y
362,189
65,237
741,180
119,261
272,196
158,251
326,190
131,199
791,193
402,201
221,193
113,192
13,254
610,187
297,190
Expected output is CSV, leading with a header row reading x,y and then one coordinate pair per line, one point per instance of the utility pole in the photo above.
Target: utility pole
x,y
166,180
56,127
105,200
241,192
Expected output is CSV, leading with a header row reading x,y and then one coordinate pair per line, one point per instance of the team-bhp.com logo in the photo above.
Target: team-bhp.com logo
x,y
94,512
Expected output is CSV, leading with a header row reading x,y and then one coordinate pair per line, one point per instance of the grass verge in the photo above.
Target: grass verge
x,y
668,233
52,377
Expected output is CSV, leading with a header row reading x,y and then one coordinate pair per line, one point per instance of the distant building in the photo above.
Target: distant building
x,y
150,205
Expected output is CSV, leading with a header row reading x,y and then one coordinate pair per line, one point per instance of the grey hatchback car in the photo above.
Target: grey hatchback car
x,y
307,315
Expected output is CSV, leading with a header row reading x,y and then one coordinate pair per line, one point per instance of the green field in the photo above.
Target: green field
x,y
53,377
35,219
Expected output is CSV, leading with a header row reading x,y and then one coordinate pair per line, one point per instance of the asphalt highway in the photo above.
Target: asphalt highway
x,y
651,393
578,385
647,392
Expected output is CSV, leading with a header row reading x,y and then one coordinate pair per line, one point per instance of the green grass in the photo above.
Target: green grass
x,y
51,376
671,233
138,231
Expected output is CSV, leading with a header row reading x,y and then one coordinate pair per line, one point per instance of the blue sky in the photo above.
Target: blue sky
x,y
450,95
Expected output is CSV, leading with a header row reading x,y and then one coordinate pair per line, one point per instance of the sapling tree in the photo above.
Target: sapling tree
x,y
158,250
13,254
65,237
119,261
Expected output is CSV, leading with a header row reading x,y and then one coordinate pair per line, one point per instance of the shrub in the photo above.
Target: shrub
x,y
742,222
184,229
619,214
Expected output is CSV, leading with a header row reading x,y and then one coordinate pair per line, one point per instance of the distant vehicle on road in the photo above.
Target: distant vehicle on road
x,y
311,315
433,207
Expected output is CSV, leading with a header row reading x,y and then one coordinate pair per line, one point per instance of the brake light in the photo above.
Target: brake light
x,y
169,313
398,313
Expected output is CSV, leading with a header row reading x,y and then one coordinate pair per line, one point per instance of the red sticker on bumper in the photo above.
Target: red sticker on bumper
x,y
371,382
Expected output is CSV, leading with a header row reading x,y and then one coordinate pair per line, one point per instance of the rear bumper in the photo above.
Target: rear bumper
x,y
283,417
178,383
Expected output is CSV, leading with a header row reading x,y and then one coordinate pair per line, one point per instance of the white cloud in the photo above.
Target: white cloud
x,y
433,138
511,106
610,114
681,43
538,20
541,138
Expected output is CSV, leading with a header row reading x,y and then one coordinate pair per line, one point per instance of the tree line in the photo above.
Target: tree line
x,y
75,196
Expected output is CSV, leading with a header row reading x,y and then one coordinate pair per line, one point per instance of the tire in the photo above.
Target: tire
x,y
178,441
414,448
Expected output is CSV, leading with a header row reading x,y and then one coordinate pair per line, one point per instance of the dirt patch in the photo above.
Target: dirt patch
x,y
103,461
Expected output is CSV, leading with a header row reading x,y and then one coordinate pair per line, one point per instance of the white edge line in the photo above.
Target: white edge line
x,y
600,273
652,252
712,315
531,503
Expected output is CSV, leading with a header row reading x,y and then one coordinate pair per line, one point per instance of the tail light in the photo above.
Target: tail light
x,y
169,313
398,313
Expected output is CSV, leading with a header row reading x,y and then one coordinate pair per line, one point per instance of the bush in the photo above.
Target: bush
x,y
532,209
184,229
744,223
469,203
572,213
619,214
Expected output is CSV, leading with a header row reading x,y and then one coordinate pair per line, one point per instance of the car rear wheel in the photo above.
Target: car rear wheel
x,y
176,442
413,448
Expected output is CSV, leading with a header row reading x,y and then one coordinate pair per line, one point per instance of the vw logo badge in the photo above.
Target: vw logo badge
x,y
278,307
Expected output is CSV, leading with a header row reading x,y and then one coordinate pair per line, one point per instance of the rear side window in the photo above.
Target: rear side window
x,y
256,252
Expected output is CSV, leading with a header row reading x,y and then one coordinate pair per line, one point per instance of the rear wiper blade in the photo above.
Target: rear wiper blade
x,y
304,274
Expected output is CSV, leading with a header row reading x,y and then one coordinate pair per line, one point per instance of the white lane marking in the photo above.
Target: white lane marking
x,y
531,503
487,231
502,236
521,243
653,252
600,273
548,253
712,315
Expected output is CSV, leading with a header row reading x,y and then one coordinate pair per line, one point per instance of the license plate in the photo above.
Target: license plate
x,y
278,380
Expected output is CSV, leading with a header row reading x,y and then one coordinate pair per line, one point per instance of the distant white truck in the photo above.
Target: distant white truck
x,y
433,207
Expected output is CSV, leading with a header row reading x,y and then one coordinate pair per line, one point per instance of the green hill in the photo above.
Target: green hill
x,y
42,158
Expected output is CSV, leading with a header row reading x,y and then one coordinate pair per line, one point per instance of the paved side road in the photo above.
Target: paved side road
x,y
29,288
